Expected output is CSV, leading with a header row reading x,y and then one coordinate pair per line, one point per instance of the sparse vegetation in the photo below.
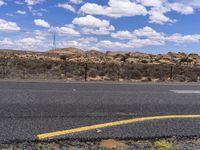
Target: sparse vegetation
x,y
70,65
163,145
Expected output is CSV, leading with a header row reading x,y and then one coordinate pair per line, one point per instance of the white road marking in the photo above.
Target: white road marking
x,y
186,91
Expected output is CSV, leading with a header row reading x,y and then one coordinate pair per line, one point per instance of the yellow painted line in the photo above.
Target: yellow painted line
x,y
111,124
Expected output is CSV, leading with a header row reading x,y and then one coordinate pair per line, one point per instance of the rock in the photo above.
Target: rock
x,y
112,144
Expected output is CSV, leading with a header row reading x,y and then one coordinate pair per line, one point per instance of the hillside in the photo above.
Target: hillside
x,y
74,54
70,64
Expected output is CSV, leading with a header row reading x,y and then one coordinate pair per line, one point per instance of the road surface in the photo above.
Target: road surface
x,y
28,109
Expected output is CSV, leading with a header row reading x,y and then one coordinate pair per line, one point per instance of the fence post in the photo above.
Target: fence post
x,y
171,72
86,69
3,72
65,68
24,73
118,74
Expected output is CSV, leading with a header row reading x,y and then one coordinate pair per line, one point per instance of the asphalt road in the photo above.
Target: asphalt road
x,y
31,108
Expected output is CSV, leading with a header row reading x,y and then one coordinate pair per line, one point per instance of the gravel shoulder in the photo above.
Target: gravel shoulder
x,y
173,143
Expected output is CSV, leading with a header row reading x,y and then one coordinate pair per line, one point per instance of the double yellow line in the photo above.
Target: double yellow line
x,y
111,124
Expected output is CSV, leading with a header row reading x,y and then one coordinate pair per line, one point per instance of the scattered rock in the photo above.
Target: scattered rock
x,y
112,144
98,130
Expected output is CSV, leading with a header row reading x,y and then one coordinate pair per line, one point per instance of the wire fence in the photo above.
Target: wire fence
x,y
64,70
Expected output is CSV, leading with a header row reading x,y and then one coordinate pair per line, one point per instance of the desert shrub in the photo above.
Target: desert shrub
x,y
192,77
186,59
63,57
92,73
180,78
131,74
47,65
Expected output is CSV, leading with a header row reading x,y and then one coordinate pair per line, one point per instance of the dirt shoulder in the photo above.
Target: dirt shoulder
x,y
173,143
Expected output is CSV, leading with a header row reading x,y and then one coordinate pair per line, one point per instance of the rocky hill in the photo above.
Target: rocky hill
x,y
74,54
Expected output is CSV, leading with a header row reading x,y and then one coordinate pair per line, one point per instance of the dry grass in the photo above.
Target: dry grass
x,y
163,145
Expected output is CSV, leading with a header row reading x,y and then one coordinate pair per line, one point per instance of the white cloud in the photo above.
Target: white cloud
x,y
42,23
28,42
2,3
178,38
88,40
97,31
82,43
21,12
128,8
19,3
91,21
34,2
6,42
181,8
146,37
67,7
93,25
147,32
123,35
157,15
67,31
193,3
112,45
115,8
8,26
37,12
76,1
154,3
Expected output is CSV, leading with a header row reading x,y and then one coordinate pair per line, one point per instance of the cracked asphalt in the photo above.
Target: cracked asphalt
x,y
31,108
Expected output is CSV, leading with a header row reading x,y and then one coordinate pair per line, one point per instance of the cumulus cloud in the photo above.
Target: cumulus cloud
x,y
82,43
6,42
147,32
34,2
37,12
2,3
8,26
91,21
76,1
145,37
157,15
112,45
67,31
21,12
154,3
193,3
181,8
123,35
155,9
178,38
67,6
97,31
42,23
115,8
93,25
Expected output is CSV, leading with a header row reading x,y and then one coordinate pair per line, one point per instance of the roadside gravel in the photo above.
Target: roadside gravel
x,y
175,143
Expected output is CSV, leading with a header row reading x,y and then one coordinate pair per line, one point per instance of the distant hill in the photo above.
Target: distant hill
x,y
67,51
75,54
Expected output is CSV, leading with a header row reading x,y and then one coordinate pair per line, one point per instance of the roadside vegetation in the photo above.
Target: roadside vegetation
x,y
76,64
110,144
163,145
72,70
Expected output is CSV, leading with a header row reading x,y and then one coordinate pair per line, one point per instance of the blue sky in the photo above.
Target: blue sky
x,y
152,26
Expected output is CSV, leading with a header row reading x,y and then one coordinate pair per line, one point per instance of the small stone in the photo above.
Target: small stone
x,y
98,130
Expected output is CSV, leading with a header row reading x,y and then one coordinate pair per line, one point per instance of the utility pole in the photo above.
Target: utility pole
x,y
171,72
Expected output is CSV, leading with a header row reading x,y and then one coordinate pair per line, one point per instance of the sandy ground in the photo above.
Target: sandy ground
x,y
154,144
